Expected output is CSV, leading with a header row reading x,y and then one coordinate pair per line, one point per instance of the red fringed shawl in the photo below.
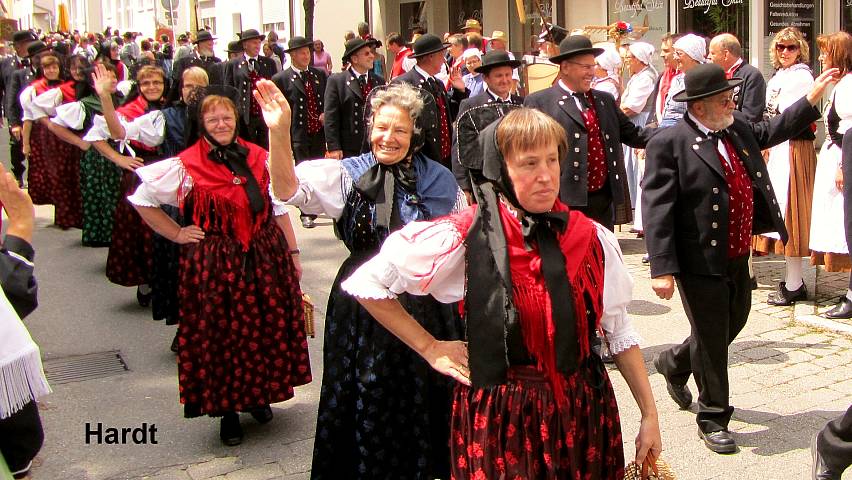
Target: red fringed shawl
x,y
213,190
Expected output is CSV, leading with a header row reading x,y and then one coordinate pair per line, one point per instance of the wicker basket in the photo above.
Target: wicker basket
x,y
308,306
634,472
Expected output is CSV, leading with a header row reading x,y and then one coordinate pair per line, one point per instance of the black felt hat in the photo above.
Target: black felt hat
x,y
575,45
704,81
250,34
296,43
428,43
23,36
37,47
353,46
235,47
494,59
553,33
203,36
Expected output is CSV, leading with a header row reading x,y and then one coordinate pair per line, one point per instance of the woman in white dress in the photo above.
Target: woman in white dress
x,y
608,73
636,103
828,241
791,164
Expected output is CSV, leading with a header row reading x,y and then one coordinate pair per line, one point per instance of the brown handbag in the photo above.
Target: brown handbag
x,y
664,472
308,306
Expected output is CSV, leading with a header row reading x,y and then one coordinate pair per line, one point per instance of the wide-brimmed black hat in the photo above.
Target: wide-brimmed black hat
x,y
553,33
704,81
353,46
23,36
235,47
575,45
494,59
250,34
36,47
203,36
428,43
296,43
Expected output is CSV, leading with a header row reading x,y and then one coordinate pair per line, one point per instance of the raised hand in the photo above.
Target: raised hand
x,y
18,205
105,82
274,106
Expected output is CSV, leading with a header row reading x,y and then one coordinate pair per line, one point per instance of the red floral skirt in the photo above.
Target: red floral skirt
x,y
241,336
132,247
39,177
516,430
66,192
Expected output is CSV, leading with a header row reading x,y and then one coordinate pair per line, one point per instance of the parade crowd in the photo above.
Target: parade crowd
x,y
466,334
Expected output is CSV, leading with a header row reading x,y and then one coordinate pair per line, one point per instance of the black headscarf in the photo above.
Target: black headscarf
x,y
493,329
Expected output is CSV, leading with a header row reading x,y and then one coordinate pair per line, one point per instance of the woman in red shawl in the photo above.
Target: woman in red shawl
x,y
241,338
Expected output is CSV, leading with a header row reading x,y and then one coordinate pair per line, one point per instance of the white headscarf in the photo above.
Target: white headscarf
x,y
609,60
694,46
21,376
471,52
642,51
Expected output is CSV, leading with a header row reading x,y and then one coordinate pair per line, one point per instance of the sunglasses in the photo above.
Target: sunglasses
x,y
789,48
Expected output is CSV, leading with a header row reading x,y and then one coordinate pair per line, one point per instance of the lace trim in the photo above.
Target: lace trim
x,y
624,342
360,287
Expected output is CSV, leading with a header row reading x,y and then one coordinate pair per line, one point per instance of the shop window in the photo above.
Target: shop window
x,y
411,15
461,10
712,17
846,15
649,20
802,14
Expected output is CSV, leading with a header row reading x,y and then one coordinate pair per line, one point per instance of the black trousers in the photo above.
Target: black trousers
x,y
16,157
312,149
834,442
255,131
846,166
599,207
717,308
21,437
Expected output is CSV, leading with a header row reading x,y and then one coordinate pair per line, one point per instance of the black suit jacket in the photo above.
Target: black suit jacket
x,y
18,82
616,129
430,116
8,66
237,76
345,126
209,64
290,83
751,95
685,194
483,98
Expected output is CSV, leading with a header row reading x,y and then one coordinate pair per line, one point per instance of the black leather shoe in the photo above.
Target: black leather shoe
x,y
230,430
843,309
821,470
719,441
754,283
144,299
175,344
262,414
308,222
679,393
646,259
783,297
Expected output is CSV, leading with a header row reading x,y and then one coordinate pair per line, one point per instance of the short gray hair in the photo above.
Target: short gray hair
x,y
399,95
728,42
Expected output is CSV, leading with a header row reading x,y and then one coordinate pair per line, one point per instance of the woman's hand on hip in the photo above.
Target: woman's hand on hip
x,y
449,358
189,234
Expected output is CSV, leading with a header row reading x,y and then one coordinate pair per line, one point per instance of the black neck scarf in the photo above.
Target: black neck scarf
x,y
490,311
235,157
377,186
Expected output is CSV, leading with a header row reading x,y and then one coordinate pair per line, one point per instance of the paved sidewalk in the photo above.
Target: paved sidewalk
x,y
787,379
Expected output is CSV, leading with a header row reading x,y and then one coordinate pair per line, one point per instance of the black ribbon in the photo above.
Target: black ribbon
x,y
543,228
832,121
235,157
377,186
583,100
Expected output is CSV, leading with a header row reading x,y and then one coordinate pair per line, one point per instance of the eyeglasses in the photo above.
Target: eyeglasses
x,y
584,66
723,101
212,121
152,83
789,48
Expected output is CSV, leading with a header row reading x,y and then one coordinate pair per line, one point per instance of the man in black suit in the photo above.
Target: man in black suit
x,y
203,57
750,96
242,73
594,180
304,87
496,71
706,191
19,80
345,101
439,114
8,66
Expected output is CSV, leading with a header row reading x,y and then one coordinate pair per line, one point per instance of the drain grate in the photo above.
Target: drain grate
x,y
79,368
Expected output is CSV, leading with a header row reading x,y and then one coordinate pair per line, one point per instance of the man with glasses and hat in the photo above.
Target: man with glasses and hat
x,y
593,177
429,55
345,100
496,70
242,73
706,191
8,66
202,56
304,87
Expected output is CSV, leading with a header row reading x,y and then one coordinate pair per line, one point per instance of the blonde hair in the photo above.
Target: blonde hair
x,y
196,73
402,96
148,71
525,129
789,34
212,101
47,60
837,48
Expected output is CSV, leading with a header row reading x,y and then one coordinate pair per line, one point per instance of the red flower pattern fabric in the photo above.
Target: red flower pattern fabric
x,y
740,202
597,168
314,124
